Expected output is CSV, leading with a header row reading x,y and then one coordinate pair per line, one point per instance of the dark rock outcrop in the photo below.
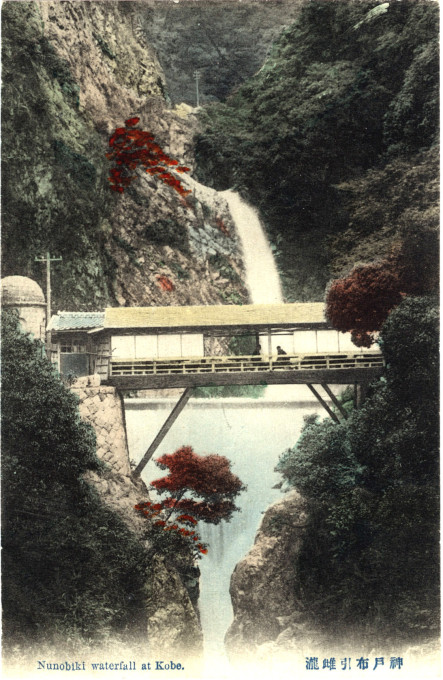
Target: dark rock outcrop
x,y
266,609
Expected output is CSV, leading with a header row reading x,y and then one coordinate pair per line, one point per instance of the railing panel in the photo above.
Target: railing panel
x,y
243,364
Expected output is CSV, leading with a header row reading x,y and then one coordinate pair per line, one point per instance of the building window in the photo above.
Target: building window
x,y
73,349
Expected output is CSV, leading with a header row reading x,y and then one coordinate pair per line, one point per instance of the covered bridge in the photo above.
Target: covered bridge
x,y
157,347
190,346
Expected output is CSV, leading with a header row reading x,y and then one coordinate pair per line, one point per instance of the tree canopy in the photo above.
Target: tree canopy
x,y
71,567
340,78
200,488
208,479
361,301
370,557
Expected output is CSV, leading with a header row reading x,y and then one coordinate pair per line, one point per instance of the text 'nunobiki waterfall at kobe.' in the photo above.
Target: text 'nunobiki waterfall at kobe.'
x,y
262,278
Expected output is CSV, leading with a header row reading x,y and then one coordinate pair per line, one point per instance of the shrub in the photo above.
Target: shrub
x,y
370,556
71,567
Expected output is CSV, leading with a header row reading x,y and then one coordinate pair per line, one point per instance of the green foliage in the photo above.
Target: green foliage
x,y
323,460
388,206
59,70
221,264
226,391
231,297
82,171
409,341
343,78
71,568
54,190
371,553
104,46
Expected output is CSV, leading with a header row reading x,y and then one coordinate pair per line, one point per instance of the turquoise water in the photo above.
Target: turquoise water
x,y
251,434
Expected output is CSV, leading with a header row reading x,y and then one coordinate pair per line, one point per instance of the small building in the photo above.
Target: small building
x,y
25,296
75,349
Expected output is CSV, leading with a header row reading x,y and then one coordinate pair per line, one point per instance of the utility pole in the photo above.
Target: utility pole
x,y
48,259
197,77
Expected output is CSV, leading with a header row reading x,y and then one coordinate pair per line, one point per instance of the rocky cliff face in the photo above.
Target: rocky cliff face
x,y
73,72
268,619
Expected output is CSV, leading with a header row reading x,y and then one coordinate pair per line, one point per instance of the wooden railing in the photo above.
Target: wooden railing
x,y
244,364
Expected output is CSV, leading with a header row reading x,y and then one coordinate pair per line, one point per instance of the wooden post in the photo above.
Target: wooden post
x,y
323,403
334,400
48,259
357,395
170,420
269,345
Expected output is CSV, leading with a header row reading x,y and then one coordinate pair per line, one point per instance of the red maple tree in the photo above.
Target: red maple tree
x,y
212,488
361,301
155,513
132,148
208,479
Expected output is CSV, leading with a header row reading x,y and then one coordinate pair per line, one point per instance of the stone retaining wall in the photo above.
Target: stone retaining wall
x,y
102,407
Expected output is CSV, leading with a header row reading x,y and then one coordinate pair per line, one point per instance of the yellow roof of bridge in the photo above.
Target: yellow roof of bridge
x,y
297,314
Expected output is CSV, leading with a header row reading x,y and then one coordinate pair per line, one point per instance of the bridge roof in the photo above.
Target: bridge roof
x,y
216,318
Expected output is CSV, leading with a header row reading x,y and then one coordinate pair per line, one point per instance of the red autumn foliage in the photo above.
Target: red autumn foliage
x,y
222,226
132,148
165,283
208,512
211,485
209,477
361,302
152,511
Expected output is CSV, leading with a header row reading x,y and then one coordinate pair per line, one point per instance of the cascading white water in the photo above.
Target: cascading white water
x,y
262,278
251,433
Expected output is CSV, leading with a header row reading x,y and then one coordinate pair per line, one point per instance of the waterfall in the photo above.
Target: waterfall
x,y
251,433
262,278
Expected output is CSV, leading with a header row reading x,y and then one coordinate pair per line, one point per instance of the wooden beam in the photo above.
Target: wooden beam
x,y
280,377
170,420
216,331
334,400
323,403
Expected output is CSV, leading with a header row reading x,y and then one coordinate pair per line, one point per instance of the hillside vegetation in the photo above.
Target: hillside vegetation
x,y
73,73
369,561
226,43
72,570
334,139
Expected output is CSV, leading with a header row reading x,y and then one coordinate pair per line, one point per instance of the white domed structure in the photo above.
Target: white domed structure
x,y
25,295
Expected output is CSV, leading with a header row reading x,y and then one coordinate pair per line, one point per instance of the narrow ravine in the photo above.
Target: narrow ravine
x,y
251,433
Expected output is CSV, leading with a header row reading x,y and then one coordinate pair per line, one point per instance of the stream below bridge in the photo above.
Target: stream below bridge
x,y
251,433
